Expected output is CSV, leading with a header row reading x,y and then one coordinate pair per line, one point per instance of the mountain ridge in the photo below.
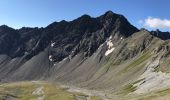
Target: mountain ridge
x,y
58,26
102,53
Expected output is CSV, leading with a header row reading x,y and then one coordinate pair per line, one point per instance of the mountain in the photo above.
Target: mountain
x,y
102,53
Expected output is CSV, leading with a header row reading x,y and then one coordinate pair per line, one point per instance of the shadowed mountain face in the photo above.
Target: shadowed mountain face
x,y
161,35
105,52
84,34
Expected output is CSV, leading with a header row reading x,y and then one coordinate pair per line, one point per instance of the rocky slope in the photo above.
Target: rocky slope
x,y
102,53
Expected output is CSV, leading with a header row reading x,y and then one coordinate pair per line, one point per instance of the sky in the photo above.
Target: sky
x,y
150,14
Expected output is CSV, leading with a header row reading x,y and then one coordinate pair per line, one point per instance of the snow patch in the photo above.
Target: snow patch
x,y
109,43
110,46
50,58
152,80
64,59
109,51
52,44
121,38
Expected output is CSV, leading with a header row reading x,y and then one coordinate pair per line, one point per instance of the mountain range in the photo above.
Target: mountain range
x,y
102,53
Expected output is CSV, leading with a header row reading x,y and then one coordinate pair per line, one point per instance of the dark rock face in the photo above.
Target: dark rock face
x,y
8,40
161,35
84,34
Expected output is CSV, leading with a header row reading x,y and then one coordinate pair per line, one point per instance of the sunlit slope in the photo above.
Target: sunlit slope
x,y
37,90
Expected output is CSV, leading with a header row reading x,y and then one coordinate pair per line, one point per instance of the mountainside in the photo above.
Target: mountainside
x,y
102,53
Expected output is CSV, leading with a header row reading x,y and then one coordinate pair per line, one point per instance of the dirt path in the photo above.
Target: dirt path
x,y
89,93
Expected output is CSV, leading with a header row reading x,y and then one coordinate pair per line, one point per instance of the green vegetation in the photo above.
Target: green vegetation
x,y
126,90
138,61
163,92
129,88
22,91
94,98
153,95
137,81
25,90
157,69
52,92
104,69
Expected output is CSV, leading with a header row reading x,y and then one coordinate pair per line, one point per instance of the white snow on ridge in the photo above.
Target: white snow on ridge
x,y
110,46
152,80
52,44
109,51
50,58
64,59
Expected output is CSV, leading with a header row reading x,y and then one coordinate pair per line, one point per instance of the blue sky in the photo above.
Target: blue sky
x,y
150,14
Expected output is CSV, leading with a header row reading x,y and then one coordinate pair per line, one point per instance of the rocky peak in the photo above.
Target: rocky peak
x,y
5,29
109,15
82,35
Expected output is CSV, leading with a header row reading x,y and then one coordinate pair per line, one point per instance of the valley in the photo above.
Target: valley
x,y
37,90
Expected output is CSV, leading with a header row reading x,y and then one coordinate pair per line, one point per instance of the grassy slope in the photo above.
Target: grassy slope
x,y
24,90
137,62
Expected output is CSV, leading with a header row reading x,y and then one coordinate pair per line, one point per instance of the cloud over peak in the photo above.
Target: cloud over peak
x,y
155,22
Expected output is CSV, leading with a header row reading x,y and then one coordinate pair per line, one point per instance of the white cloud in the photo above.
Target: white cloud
x,y
155,22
